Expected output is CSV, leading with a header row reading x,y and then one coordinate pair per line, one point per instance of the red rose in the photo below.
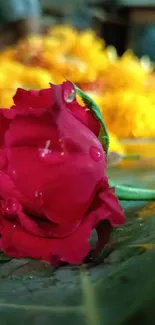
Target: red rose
x,y
53,185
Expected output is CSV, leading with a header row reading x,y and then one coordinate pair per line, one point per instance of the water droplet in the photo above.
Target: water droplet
x,y
95,153
11,208
14,174
14,226
39,198
54,155
69,97
37,194
45,151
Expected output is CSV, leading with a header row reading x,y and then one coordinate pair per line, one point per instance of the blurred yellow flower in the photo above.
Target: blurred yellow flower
x,y
115,144
6,97
10,79
36,78
123,87
129,114
77,63
63,50
8,53
12,69
65,34
125,72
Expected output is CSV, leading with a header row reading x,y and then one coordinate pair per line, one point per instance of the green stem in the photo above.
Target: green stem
x,y
132,193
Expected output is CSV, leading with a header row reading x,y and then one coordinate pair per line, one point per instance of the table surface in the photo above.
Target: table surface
x,y
118,291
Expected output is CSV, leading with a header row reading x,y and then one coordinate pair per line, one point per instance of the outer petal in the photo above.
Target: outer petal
x,y
4,123
67,91
33,98
17,242
38,102
107,208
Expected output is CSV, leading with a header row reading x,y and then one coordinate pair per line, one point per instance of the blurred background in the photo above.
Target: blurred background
x,y
122,23
105,46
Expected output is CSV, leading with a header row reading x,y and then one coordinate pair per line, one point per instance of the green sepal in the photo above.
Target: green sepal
x,y
89,102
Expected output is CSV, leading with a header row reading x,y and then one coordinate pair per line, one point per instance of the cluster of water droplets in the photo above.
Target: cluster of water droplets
x,y
39,198
10,210
50,156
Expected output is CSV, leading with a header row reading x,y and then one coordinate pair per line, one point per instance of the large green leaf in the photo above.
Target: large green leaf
x,y
119,291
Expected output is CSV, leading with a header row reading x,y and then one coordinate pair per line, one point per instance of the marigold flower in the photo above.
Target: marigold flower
x,y
129,114
115,144
36,78
117,84
125,72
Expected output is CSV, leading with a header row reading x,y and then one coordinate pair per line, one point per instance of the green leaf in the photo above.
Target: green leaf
x,y
4,257
119,291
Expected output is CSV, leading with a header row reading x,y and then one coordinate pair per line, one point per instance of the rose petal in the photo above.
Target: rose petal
x,y
4,123
66,97
82,112
50,157
72,249
75,182
18,244
33,98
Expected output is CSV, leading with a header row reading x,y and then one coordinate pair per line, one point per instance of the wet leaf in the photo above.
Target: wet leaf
x,y
4,257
